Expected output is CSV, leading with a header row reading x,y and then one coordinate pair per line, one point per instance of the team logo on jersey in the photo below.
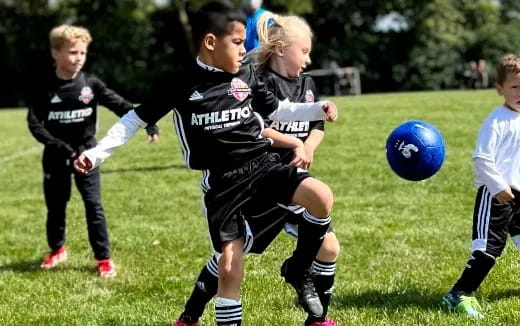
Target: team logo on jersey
x,y
86,95
309,96
239,89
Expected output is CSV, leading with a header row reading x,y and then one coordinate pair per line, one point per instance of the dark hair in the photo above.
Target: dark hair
x,y
214,17
509,64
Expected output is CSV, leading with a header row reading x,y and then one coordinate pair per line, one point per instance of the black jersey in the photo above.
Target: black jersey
x,y
214,117
298,90
67,109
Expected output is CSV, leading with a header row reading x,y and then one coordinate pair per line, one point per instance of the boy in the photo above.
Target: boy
x,y
220,134
496,160
281,72
63,116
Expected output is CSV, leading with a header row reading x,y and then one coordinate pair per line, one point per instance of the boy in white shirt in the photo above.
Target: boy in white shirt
x,y
497,167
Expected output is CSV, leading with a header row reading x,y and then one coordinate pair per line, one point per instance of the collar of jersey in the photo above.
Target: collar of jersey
x,y
207,67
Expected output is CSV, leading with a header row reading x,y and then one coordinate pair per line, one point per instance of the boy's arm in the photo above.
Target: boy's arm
x,y
312,142
281,140
484,161
265,103
43,135
116,137
487,172
120,106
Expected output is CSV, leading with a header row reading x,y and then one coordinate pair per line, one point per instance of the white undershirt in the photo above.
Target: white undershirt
x,y
496,159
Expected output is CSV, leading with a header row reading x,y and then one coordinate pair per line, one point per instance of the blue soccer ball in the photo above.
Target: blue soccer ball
x,y
415,150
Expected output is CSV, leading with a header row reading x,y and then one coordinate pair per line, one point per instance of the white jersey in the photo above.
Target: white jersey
x,y
497,154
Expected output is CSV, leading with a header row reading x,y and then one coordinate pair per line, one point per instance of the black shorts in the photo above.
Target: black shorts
x,y
492,222
236,196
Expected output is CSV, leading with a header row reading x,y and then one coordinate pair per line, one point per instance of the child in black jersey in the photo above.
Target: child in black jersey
x,y
63,116
281,56
218,112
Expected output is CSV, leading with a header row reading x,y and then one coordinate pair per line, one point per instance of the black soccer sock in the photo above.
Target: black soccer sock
x,y
311,231
476,270
323,277
205,289
228,312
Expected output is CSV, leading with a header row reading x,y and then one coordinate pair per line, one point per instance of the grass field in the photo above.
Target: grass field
x,y
403,243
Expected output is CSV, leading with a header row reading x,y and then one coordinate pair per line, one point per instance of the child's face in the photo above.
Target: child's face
x,y
296,57
229,49
510,90
71,57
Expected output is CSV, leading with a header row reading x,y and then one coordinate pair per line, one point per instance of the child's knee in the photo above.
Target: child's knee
x,y
330,248
325,199
231,273
316,197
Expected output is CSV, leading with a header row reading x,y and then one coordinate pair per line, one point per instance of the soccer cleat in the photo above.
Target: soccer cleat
x,y
307,296
181,323
106,268
462,302
185,320
54,258
328,322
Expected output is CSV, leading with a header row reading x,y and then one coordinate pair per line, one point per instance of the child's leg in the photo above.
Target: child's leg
x,y
324,270
56,188
317,199
89,186
490,229
514,226
205,289
228,309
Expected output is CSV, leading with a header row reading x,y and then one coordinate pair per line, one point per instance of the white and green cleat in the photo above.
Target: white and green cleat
x,y
461,302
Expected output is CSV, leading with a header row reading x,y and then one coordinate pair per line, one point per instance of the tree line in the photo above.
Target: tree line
x,y
423,45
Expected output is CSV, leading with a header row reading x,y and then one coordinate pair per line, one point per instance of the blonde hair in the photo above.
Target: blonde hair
x,y
509,64
63,33
284,30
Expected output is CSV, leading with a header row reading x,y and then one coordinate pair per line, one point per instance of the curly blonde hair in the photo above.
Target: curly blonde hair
x,y
284,30
59,35
509,64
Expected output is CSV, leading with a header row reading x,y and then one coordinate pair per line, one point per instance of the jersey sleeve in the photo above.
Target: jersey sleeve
x,y
35,121
487,141
264,101
484,157
319,124
109,98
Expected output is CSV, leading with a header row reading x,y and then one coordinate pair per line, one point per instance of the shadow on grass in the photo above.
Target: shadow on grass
x,y
144,169
33,266
503,294
397,299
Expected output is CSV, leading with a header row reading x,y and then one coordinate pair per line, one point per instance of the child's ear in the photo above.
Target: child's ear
x,y
278,48
209,41
54,53
499,89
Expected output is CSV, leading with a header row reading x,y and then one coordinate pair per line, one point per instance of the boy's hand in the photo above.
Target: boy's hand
x,y
153,133
331,111
309,154
505,196
300,157
82,164
153,138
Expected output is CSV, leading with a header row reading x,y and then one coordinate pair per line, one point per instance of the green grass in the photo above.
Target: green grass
x,y
403,243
